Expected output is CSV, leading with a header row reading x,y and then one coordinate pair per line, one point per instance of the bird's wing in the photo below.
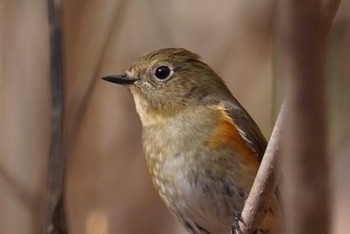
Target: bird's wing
x,y
247,128
250,132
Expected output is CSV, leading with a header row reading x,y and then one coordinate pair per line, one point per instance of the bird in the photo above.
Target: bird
x,y
202,148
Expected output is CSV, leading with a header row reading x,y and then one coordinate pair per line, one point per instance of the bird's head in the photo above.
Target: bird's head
x,y
166,81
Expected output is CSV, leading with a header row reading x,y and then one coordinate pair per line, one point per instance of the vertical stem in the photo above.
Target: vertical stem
x,y
305,166
55,219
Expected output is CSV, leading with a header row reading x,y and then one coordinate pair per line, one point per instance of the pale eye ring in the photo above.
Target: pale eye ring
x,y
163,72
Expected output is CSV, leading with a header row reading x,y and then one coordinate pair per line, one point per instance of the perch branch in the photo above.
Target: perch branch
x,y
265,182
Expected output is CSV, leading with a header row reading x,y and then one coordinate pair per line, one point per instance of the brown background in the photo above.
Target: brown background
x,y
108,188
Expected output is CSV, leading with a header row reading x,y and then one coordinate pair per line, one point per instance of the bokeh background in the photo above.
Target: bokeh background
x,y
108,187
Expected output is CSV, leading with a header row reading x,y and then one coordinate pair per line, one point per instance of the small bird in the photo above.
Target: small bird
x,y
202,148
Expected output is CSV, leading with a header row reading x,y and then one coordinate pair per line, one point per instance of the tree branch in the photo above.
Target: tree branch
x,y
265,182
328,12
55,219
119,12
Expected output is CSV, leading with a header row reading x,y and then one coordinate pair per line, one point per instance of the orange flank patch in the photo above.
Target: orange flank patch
x,y
226,134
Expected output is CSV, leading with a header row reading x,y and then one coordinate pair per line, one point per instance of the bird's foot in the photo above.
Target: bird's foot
x,y
235,228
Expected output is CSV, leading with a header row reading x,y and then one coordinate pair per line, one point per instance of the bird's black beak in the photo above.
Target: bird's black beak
x,y
122,79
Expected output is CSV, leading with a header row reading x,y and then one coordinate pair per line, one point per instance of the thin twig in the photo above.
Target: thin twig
x,y
55,219
329,10
265,182
113,26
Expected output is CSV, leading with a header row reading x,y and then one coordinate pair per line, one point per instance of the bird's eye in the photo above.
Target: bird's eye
x,y
162,72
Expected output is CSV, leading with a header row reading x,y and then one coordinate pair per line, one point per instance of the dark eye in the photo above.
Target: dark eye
x,y
162,72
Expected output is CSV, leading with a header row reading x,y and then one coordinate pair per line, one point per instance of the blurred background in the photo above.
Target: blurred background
x,y
108,186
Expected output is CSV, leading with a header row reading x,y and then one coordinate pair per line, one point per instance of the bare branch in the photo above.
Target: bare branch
x,y
265,182
115,23
328,12
55,219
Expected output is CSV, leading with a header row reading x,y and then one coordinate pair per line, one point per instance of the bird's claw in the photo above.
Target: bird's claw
x,y
235,228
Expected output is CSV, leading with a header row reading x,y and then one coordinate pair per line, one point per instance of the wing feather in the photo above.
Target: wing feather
x,y
250,132
247,128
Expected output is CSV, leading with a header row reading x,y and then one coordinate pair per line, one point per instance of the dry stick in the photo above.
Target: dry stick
x,y
328,12
55,219
260,194
114,25
266,180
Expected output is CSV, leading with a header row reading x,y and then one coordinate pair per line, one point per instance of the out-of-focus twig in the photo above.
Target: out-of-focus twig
x,y
329,10
55,220
22,195
265,182
114,25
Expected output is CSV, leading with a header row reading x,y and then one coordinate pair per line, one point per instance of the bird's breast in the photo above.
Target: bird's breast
x,y
196,164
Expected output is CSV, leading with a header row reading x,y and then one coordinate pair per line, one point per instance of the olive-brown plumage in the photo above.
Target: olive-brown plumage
x,y
202,148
